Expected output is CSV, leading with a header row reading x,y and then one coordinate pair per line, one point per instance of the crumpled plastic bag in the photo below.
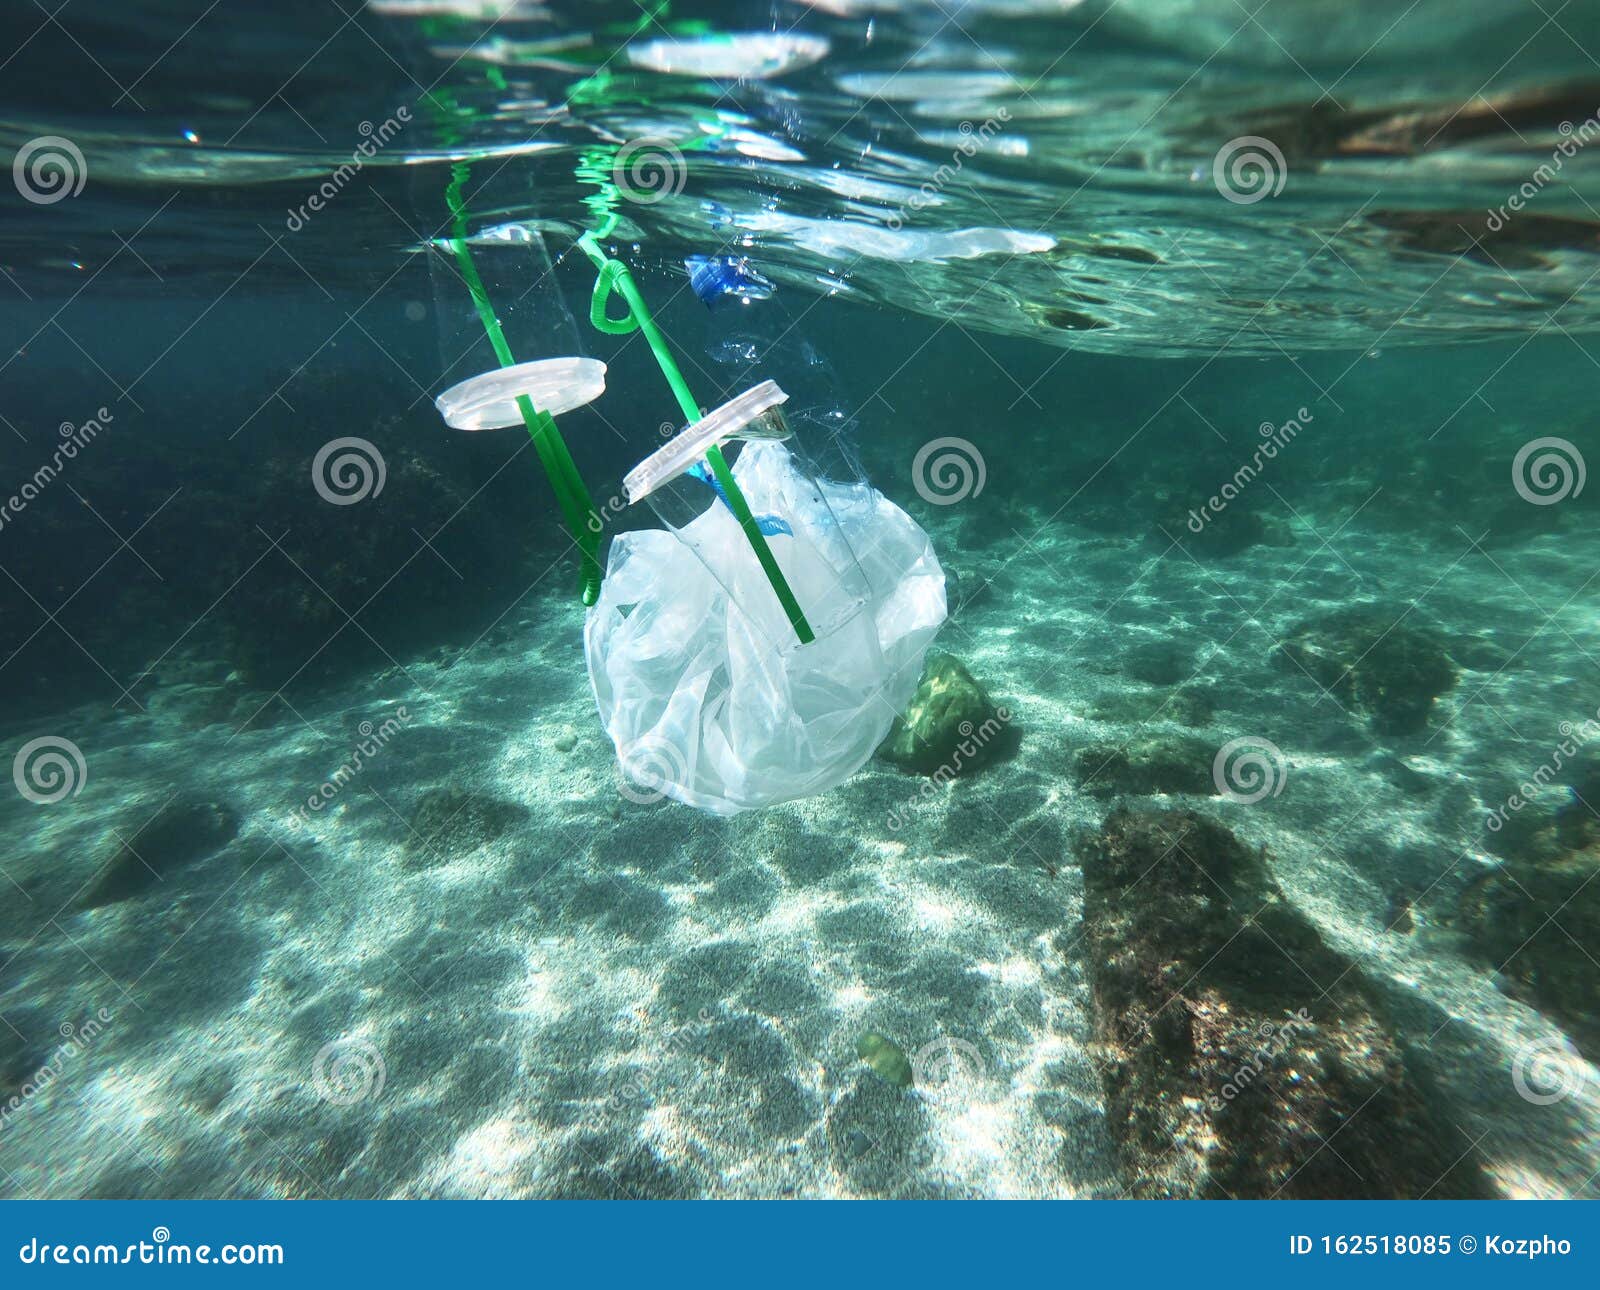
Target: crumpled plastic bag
x,y
708,696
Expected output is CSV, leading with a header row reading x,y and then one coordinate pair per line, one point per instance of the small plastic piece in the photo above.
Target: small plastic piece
x,y
687,450
552,385
719,278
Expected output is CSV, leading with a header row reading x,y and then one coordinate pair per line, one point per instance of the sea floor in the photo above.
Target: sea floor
x,y
531,984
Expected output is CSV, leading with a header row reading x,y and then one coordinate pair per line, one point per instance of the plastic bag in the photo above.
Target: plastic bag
x,y
699,679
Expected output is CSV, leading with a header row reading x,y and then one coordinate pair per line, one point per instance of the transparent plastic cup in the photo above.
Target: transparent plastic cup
x,y
552,385
779,484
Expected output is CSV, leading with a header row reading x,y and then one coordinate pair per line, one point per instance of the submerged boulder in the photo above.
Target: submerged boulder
x,y
951,726
180,834
1536,919
1377,661
1242,1056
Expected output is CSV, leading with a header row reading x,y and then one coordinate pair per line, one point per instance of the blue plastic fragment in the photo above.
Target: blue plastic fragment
x,y
716,278
769,525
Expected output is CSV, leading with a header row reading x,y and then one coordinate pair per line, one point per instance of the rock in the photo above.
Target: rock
x,y
566,739
1241,1055
181,833
951,726
1536,918
1376,661
1147,764
887,1059
448,823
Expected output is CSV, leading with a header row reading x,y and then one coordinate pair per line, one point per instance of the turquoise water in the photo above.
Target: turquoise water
x,y
1237,840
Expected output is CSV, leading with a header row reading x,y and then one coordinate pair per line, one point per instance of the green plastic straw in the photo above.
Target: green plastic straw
x,y
578,508
614,278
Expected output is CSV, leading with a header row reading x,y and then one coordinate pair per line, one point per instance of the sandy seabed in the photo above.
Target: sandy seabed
x,y
614,998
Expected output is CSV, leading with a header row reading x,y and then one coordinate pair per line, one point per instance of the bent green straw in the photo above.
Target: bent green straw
x,y
614,279
583,520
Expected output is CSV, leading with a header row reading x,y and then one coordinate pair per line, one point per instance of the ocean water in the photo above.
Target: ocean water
x,y
1236,360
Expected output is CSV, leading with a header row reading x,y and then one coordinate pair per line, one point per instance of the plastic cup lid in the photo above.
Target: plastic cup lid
x,y
553,385
689,446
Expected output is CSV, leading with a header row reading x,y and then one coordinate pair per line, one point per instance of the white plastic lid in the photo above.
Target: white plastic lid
x,y
689,446
553,385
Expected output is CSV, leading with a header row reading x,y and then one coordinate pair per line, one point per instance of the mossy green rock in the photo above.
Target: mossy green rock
x,y
951,725
1234,1043
887,1059
1536,920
